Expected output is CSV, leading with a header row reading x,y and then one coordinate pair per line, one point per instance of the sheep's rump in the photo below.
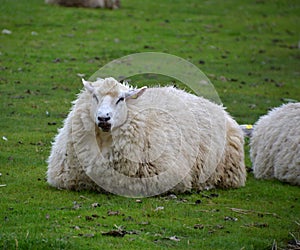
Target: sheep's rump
x,y
111,4
275,145
171,141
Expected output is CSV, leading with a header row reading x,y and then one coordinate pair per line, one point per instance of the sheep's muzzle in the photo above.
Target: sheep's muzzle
x,y
105,126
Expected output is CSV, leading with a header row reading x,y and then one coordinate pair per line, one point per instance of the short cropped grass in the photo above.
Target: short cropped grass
x,y
248,49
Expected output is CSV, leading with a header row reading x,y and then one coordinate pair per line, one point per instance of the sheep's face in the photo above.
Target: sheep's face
x,y
109,102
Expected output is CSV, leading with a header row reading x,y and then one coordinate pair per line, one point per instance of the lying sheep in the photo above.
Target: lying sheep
x,y
143,142
110,4
275,145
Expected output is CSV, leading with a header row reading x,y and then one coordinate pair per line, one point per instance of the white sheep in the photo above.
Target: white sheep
x,y
143,142
111,4
275,145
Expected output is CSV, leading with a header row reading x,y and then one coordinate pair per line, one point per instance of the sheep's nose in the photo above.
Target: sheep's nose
x,y
103,119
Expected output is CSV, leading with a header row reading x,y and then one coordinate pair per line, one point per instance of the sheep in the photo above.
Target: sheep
x,y
145,141
275,145
247,129
111,4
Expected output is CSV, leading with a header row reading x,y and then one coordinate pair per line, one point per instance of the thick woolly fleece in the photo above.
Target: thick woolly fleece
x,y
170,141
275,145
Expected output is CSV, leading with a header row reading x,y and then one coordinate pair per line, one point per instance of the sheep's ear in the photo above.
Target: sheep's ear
x,y
88,86
134,94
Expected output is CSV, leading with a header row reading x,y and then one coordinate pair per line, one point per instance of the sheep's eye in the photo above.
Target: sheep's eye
x,y
120,100
96,98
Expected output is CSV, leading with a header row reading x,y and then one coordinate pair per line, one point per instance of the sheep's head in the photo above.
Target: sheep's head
x,y
109,99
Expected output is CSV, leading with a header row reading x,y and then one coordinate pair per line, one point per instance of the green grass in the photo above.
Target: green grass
x,y
248,49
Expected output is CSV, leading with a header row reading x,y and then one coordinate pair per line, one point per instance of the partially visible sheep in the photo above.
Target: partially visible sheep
x,y
275,144
247,129
142,142
110,4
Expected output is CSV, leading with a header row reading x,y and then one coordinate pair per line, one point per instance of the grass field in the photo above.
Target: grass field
x,y
248,49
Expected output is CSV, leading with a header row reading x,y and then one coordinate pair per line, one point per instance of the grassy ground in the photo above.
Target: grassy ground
x,y
249,50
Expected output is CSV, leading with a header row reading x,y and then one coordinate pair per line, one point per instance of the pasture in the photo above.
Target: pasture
x,y
249,50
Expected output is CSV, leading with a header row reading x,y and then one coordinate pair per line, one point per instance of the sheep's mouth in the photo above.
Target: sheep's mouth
x,y
105,126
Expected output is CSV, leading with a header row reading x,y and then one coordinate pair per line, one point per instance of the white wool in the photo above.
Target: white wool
x,y
275,145
176,139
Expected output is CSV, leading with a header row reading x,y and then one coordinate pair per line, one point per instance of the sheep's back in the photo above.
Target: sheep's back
x,y
275,144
